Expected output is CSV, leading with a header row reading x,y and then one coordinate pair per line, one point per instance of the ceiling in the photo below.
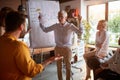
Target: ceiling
x,y
61,1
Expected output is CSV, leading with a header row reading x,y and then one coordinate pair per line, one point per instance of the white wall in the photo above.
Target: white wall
x,y
80,4
83,10
85,3
73,4
95,2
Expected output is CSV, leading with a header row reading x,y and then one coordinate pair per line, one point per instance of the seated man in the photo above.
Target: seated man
x,y
111,69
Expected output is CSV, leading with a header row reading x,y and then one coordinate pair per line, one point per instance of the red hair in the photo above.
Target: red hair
x,y
76,12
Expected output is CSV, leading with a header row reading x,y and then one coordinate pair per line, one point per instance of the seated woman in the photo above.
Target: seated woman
x,y
101,46
111,69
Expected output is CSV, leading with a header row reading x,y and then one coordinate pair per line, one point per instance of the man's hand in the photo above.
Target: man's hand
x,y
40,16
28,30
55,58
50,60
58,58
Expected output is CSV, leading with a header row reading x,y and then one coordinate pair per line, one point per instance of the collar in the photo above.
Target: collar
x,y
9,36
63,24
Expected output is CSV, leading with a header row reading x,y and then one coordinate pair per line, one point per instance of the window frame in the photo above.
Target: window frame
x,y
106,13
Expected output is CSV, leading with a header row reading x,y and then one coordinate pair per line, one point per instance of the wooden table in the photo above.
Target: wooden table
x,y
42,50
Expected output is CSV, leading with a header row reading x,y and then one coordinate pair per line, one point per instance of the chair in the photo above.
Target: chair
x,y
108,57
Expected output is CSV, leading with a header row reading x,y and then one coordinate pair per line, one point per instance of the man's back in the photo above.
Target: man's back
x,y
9,66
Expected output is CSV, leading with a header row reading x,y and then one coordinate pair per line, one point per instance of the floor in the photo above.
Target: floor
x,y
50,72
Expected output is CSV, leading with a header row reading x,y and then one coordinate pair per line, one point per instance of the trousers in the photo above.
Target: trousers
x,y
67,54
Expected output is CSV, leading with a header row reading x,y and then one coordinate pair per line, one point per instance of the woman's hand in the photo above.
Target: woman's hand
x,y
101,55
104,65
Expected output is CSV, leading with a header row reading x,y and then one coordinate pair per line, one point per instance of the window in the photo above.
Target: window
x,y
114,22
97,12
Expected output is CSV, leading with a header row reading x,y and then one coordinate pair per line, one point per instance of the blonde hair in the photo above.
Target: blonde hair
x,y
103,23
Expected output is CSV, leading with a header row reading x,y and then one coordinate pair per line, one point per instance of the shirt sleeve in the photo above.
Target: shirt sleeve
x,y
76,29
24,61
47,29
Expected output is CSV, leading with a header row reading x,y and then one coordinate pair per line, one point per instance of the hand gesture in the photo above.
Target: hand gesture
x,y
101,55
104,65
50,60
28,30
40,16
58,58
55,58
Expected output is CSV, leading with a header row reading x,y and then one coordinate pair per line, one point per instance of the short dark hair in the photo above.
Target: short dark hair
x,y
13,21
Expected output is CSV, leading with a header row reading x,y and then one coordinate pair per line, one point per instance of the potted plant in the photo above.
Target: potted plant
x,y
86,34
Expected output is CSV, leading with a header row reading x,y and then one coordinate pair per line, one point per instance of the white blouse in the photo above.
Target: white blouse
x,y
102,43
